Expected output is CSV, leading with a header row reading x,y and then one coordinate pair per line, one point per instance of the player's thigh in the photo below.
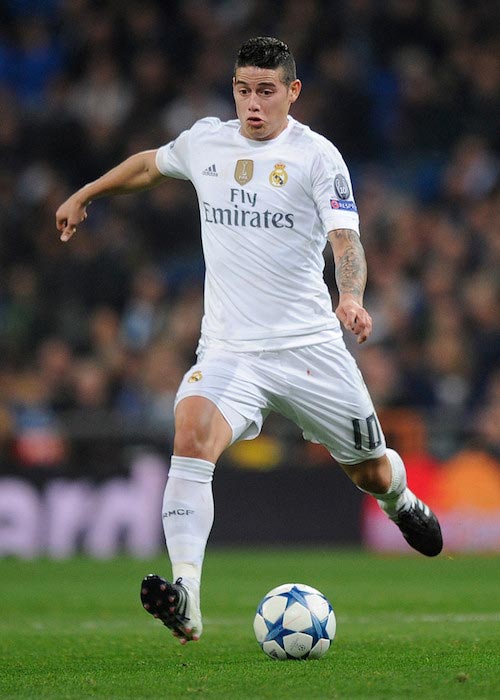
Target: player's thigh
x,y
331,403
226,379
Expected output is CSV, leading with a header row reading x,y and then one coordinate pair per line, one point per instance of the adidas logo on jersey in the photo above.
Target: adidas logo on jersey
x,y
211,170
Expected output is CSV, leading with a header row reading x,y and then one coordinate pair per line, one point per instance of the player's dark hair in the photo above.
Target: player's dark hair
x,y
267,52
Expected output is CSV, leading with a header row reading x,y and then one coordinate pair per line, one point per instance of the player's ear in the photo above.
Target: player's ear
x,y
294,90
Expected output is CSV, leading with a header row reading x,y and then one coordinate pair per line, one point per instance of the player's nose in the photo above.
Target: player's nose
x,y
253,103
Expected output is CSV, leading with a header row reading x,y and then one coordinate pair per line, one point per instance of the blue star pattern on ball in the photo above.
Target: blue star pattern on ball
x,y
295,621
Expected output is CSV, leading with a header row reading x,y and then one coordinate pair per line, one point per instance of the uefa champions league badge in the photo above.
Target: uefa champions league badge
x,y
278,176
341,187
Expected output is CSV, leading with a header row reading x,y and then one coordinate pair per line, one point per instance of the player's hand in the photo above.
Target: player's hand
x,y
71,213
354,317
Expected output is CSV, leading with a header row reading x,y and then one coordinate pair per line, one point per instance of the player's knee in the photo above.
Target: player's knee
x,y
201,431
373,475
190,441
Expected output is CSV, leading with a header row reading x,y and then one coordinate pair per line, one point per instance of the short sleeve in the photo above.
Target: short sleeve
x,y
173,159
332,190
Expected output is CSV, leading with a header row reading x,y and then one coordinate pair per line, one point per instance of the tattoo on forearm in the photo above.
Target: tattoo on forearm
x,y
350,267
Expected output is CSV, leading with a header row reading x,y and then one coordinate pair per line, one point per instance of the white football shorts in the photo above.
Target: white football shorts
x,y
319,387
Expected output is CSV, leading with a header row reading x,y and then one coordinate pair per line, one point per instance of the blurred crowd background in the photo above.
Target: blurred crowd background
x,y
96,334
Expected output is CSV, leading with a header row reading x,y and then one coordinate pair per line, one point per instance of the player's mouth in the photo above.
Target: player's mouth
x,y
255,121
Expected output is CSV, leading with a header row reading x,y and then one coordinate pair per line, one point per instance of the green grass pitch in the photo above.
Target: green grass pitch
x,y
408,627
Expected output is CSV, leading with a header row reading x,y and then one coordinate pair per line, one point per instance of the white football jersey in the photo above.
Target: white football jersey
x,y
266,208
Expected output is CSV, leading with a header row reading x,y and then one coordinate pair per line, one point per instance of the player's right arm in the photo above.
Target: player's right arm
x,y
350,274
137,173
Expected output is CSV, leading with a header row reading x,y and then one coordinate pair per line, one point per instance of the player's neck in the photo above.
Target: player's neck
x,y
266,139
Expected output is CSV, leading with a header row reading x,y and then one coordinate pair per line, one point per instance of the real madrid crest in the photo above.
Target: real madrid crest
x,y
279,176
243,171
195,377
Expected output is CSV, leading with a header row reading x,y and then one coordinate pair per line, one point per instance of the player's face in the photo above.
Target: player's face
x,y
262,101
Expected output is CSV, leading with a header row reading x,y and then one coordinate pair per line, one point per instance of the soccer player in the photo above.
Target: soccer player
x,y
271,193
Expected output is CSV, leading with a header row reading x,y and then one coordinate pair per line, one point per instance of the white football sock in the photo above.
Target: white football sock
x,y
188,515
398,497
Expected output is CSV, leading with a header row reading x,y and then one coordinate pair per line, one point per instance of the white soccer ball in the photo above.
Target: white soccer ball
x,y
295,621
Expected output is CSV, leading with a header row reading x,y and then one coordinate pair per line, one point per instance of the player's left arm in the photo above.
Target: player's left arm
x,y
350,275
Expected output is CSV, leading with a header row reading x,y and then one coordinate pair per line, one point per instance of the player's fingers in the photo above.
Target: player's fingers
x,y
345,315
67,233
351,320
365,331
